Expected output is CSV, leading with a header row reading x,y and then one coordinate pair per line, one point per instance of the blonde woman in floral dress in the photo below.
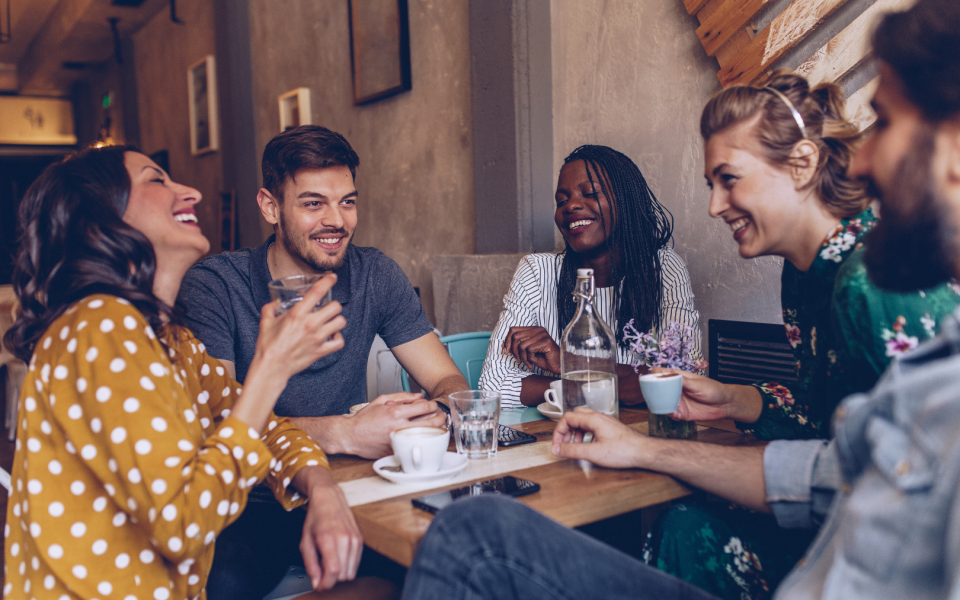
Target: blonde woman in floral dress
x,y
134,448
776,162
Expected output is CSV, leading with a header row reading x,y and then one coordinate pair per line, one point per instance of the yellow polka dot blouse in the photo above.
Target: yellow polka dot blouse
x,y
128,463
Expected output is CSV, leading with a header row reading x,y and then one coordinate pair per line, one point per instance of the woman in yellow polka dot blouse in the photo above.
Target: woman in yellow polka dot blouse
x,y
135,449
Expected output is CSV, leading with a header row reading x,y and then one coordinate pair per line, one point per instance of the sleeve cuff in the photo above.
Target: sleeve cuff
x,y
788,471
251,455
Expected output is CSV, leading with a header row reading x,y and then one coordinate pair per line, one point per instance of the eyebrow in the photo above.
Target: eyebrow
x,y
719,168
312,194
159,171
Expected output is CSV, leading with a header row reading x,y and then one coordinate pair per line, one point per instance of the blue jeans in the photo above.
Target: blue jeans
x,y
495,547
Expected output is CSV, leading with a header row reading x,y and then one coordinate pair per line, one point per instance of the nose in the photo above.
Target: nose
x,y
860,164
718,202
332,218
189,194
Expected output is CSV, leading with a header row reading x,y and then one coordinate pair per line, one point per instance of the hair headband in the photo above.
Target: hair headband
x,y
793,110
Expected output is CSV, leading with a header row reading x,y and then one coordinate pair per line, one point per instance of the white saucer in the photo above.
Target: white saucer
x,y
452,464
549,411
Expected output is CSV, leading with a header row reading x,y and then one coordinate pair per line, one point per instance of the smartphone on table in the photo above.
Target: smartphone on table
x,y
507,485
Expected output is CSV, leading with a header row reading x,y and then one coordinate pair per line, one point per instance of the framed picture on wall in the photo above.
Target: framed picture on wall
x,y
295,109
202,89
379,49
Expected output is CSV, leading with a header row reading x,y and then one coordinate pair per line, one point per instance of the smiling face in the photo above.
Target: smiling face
x,y
316,218
760,202
163,211
579,205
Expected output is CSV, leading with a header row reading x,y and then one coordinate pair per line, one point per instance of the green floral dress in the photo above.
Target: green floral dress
x,y
844,332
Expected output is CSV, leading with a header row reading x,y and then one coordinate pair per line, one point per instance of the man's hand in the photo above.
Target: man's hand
x,y
704,399
367,433
331,544
614,444
533,346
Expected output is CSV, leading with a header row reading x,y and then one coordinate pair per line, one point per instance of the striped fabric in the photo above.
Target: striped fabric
x,y
532,302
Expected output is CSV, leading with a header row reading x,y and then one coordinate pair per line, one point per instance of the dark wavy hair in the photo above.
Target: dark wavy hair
x,y
641,228
304,147
922,45
73,243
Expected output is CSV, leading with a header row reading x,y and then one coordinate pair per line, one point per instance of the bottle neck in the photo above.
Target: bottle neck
x,y
583,292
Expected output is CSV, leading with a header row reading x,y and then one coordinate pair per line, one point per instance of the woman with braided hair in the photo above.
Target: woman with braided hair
x,y
611,222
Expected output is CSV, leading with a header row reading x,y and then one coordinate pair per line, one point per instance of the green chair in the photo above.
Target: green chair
x,y
467,351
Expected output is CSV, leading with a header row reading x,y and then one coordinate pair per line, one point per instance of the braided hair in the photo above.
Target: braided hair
x,y
641,228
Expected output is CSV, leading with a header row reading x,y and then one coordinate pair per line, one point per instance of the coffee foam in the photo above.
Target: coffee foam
x,y
420,432
659,376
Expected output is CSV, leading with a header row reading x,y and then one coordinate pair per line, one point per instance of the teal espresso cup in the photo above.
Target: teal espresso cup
x,y
661,391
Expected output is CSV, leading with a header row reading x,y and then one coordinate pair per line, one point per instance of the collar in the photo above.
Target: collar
x,y
260,274
839,244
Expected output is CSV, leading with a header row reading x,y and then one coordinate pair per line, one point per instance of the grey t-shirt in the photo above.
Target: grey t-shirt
x,y
223,294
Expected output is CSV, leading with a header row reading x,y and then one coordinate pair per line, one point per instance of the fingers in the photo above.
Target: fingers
x,y
330,546
315,294
311,562
398,398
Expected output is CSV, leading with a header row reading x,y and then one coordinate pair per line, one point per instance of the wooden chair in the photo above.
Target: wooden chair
x,y
743,352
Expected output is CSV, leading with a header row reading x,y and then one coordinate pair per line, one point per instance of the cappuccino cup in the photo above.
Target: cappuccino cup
x,y
661,391
420,449
554,396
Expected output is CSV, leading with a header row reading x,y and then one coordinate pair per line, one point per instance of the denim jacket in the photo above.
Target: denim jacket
x,y
885,488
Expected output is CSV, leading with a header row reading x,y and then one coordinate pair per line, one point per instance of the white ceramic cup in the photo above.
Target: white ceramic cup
x,y
599,395
661,391
420,449
554,396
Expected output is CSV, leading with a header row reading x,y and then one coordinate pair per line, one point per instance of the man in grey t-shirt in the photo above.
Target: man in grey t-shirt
x,y
309,196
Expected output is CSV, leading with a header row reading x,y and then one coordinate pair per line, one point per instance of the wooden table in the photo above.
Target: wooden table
x,y
569,493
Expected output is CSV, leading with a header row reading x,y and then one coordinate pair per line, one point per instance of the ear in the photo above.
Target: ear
x,y
804,158
269,206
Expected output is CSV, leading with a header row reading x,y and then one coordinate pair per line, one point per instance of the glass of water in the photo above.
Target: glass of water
x,y
290,290
476,414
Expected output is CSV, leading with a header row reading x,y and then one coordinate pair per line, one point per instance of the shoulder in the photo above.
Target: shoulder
x,y
93,320
669,258
224,264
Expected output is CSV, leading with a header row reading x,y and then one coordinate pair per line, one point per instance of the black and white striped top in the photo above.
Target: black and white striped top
x,y
532,302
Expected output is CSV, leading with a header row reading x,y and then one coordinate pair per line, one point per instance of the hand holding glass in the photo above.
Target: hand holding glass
x,y
290,290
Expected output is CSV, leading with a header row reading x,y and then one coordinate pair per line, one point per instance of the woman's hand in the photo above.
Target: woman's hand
x,y
331,544
614,444
533,346
293,341
704,399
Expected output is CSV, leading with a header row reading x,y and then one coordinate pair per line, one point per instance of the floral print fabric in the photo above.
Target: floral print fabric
x,y
844,331
128,464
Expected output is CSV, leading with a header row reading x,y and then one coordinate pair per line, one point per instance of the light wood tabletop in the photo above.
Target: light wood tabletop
x,y
573,493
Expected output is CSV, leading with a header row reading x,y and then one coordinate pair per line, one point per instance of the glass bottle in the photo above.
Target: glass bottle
x,y
588,355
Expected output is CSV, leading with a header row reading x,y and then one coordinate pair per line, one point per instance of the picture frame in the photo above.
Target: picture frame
x,y
379,49
295,109
202,92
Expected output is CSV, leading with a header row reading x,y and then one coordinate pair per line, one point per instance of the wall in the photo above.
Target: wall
x,y
416,174
163,51
631,74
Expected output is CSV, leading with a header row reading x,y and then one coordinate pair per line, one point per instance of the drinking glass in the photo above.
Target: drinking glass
x,y
290,290
476,415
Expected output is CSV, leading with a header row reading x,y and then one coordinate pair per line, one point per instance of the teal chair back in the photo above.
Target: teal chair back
x,y
468,350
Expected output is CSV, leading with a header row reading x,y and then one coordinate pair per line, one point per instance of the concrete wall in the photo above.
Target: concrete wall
x,y
163,51
416,172
631,74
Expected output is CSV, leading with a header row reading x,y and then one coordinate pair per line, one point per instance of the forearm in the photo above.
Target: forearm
x,y
745,403
261,390
731,472
446,386
532,389
310,479
332,433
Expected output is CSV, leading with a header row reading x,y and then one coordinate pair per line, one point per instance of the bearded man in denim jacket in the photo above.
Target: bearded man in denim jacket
x,y
886,489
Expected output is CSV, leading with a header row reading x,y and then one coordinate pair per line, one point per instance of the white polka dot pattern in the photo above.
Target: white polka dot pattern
x,y
126,425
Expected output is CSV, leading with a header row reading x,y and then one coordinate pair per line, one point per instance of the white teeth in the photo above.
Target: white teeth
x,y
739,224
186,218
330,241
576,224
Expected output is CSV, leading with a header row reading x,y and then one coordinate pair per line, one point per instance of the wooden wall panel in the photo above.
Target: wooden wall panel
x,y
725,22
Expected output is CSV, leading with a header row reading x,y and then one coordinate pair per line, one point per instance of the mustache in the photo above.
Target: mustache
x,y
325,232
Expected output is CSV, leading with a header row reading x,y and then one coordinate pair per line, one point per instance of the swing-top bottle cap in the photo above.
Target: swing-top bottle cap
x,y
584,272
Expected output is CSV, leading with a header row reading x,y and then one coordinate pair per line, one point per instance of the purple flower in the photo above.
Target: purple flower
x,y
672,350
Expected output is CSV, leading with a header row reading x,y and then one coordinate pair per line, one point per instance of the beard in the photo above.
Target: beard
x,y
916,244
300,246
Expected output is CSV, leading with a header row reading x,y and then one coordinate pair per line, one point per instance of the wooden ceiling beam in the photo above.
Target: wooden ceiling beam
x,y
858,109
788,29
726,21
694,6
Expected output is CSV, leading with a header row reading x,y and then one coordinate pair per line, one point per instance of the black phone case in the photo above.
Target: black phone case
x,y
533,487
